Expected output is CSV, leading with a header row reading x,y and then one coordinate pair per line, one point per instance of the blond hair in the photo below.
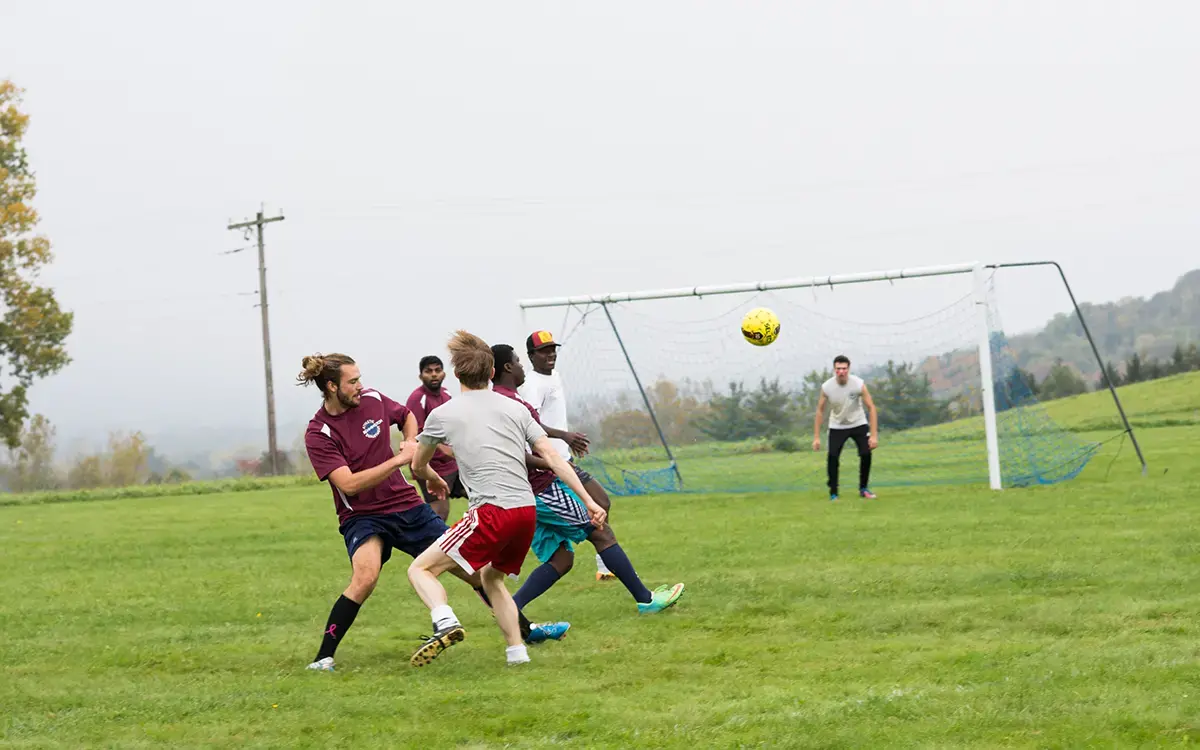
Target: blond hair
x,y
322,369
472,360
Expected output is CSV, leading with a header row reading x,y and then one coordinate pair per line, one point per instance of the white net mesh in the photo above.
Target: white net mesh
x,y
735,417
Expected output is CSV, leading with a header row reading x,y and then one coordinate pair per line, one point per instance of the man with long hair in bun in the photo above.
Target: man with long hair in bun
x,y
489,433
349,444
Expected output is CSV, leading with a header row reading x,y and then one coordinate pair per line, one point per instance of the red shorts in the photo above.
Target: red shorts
x,y
490,534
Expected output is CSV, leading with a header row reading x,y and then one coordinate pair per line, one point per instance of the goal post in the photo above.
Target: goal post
x,y
645,369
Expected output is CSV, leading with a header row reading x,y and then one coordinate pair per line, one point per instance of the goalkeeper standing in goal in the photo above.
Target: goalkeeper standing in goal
x,y
849,406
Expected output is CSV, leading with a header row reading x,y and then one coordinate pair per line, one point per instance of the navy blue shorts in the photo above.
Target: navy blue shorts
x,y
410,531
584,477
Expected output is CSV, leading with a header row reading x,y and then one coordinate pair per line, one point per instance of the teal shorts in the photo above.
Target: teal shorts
x,y
561,519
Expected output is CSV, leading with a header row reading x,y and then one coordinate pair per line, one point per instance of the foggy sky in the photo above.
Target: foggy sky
x,y
438,161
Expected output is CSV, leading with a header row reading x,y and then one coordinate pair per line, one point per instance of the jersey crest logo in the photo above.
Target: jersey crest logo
x,y
371,428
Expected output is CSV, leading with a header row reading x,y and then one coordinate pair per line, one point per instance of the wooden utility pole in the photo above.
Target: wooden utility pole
x,y
257,223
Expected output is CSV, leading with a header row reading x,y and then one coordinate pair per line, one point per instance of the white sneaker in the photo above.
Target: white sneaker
x,y
324,665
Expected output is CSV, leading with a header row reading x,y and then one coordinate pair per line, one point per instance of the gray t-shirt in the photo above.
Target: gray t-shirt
x,y
845,403
489,433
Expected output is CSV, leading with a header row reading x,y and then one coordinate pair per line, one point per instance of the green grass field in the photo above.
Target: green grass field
x,y
1060,616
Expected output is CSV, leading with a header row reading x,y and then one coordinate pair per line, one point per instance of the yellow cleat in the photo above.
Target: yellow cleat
x,y
436,644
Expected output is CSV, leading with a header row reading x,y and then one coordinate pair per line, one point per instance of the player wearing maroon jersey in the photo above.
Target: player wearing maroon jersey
x,y
489,434
427,397
349,444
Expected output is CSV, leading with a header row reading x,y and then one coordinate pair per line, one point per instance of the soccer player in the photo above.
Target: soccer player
x,y
349,446
427,397
489,433
543,390
562,519
847,396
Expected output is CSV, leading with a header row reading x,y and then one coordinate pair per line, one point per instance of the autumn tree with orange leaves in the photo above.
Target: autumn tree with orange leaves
x,y
33,328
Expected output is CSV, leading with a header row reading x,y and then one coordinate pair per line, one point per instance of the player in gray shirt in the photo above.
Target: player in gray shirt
x,y
489,433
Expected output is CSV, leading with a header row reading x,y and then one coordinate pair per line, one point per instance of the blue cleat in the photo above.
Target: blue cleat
x,y
662,597
540,632
833,497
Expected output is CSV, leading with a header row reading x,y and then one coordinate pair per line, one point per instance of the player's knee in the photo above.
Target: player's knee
x,y
602,539
362,583
562,560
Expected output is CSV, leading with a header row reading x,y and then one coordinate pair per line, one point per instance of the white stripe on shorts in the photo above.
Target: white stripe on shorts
x,y
556,498
454,539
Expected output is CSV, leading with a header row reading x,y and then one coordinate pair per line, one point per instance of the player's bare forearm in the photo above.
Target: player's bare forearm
x,y
820,416
536,462
410,428
353,482
420,462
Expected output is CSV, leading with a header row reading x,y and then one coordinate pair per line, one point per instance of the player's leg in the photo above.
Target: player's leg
x,y
506,614
562,520
557,565
837,440
511,531
421,527
649,602
861,437
423,575
366,559
600,495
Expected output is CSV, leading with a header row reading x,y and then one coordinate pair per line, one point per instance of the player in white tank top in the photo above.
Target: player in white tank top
x,y
852,416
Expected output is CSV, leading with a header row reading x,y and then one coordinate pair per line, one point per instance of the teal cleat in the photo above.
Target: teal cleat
x,y
540,632
663,597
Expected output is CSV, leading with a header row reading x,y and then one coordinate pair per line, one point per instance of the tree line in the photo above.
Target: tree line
x,y
690,412
1063,380
128,459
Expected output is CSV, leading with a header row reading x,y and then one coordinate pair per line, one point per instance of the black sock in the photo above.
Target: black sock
x,y
522,620
864,471
341,617
618,562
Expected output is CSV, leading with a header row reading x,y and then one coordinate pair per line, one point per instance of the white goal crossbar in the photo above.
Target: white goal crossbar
x,y
754,286
987,385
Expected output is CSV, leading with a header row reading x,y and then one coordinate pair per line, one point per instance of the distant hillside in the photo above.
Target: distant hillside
x,y
1150,327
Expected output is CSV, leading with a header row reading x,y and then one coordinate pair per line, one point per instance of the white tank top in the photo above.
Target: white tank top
x,y
845,403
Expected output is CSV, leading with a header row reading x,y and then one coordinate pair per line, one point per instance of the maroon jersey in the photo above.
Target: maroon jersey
x,y
420,403
360,439
539,479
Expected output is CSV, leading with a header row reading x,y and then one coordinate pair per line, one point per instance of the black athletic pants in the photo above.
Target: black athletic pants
x,y
837,439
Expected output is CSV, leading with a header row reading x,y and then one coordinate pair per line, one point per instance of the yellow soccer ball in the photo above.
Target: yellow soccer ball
x,y
760,327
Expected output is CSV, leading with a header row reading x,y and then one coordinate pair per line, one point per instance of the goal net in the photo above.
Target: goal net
x,y
673,399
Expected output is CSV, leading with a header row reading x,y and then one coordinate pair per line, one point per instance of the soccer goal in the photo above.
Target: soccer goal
x,y
675,400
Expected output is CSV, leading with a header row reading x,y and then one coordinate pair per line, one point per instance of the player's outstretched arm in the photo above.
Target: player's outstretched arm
x,y
873,416
353,482
563,470
420,469
817,422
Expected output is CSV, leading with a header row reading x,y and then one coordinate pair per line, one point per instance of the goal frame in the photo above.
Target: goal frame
x,y
977,271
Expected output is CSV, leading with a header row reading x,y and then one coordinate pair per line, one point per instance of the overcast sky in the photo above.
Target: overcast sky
x,y
438,161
